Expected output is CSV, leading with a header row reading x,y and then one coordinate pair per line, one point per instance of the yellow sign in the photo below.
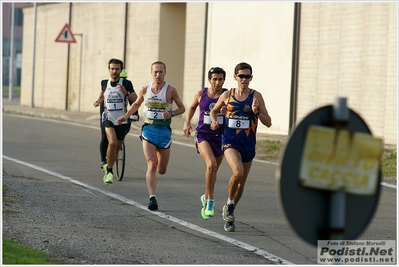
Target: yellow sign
x,y
340,160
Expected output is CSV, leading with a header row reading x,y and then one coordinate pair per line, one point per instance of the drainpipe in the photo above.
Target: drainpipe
x,y
11,66
295,63
125,37
205,42
32,92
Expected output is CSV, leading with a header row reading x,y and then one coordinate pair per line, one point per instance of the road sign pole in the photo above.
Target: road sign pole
x,y
80,67
338,198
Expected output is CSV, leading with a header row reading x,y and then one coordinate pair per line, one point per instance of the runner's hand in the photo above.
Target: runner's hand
x,y
187,130
120,119
214,125
96,103
255,105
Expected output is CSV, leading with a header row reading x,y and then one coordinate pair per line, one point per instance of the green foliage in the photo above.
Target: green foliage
x,y
269,149
5,191
272,147
6,200
16,91
388,164
14,253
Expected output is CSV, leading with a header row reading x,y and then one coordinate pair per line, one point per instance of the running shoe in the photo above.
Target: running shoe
x,y
203,203
108,178
210,208
153,204
228,213
229,227
102,163
104,167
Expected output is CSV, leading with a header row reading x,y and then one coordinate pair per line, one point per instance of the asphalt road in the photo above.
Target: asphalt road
x,y
52,168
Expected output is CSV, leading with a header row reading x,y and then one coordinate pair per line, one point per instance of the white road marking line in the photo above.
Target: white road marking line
x,y
230,240
388,185
135,135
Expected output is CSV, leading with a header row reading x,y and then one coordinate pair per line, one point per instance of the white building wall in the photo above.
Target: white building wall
x,y
143,42
194,54
50,59
348,50
259,33
103,38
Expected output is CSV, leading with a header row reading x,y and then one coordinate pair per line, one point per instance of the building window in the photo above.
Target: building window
x,y
18,17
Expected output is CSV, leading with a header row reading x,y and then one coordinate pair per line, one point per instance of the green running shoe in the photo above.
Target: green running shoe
x,y
203,203
210,208
109,178
104,167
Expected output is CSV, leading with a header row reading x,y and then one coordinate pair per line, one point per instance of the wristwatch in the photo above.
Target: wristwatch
x,y
128,93
173,113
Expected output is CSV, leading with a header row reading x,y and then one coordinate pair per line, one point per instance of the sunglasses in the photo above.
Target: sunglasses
x,y
246,76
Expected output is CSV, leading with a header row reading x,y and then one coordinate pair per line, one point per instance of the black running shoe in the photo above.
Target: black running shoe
x,y
153,204
228,213
229,227
102,163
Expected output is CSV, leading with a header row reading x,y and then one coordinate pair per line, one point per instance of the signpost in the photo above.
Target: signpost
x,y
329,176
66,36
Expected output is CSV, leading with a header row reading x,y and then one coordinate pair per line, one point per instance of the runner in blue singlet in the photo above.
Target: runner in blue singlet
x,y
244,107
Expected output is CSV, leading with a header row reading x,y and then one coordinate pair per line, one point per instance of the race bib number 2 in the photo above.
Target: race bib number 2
x,y
154,115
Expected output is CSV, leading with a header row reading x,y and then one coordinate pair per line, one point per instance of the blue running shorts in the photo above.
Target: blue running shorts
x,y
246,156
159,136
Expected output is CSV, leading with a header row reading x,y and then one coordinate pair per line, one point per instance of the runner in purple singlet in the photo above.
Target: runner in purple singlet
x,y
207,141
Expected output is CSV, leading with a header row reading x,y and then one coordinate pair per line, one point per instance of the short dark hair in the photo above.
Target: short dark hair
x,y
242,66
218,71
160,63
115,61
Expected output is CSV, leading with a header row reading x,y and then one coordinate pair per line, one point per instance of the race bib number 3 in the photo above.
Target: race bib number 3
x,y
207,119
238,124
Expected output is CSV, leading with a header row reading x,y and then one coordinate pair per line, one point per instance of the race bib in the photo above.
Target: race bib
x,y
114,104
207,119
154,115
241,124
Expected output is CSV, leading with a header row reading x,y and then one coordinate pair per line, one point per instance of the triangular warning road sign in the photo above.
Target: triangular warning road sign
x,y
66,35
